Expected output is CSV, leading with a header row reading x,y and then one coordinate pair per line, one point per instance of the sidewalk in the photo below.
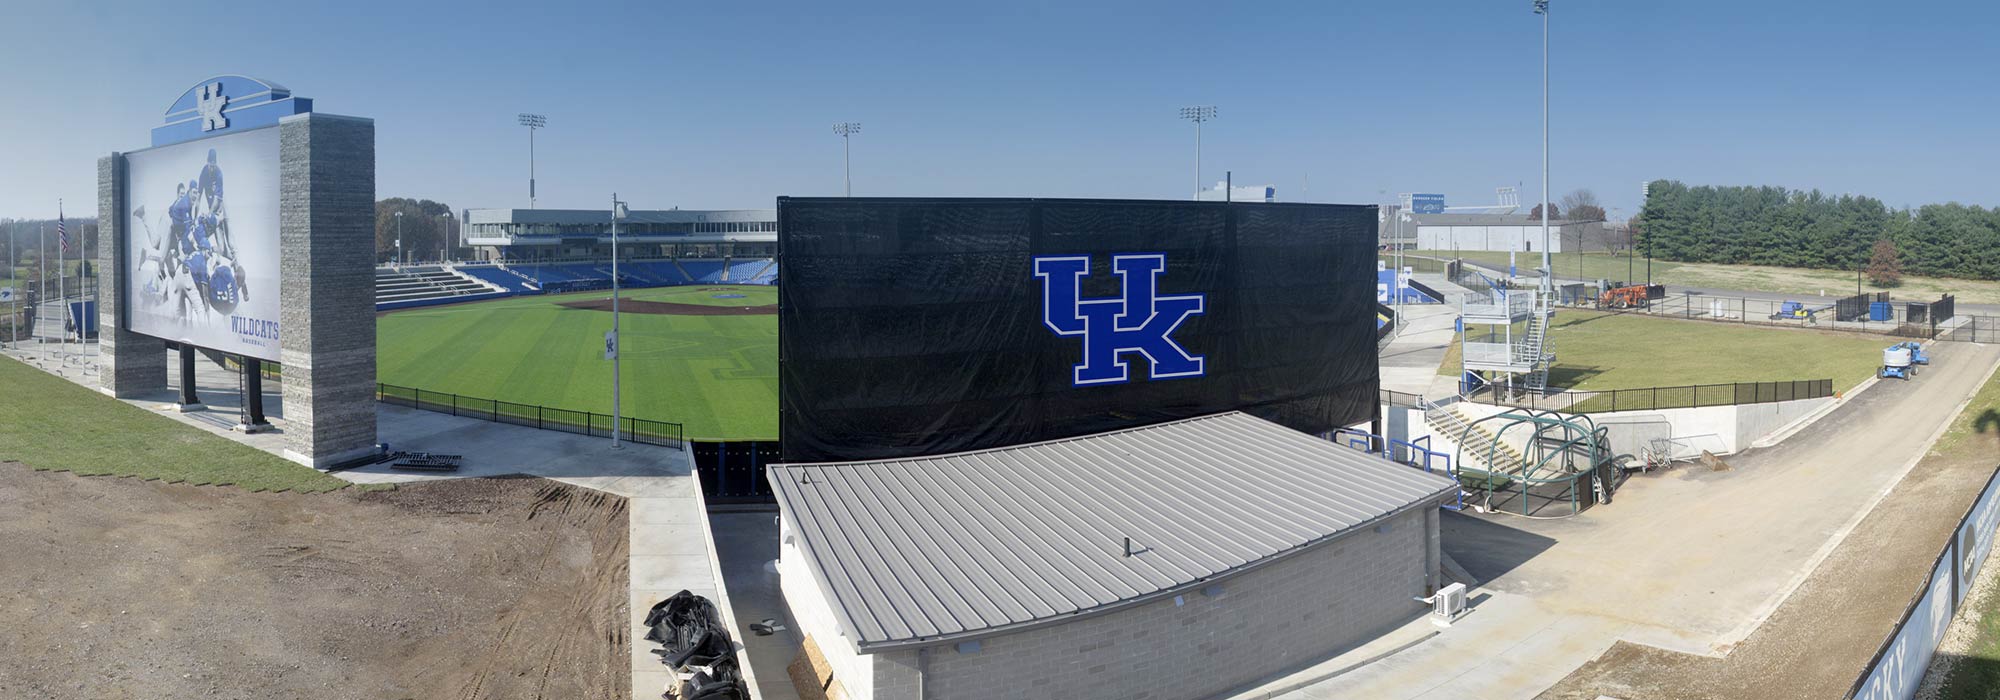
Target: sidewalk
x,y
1689,560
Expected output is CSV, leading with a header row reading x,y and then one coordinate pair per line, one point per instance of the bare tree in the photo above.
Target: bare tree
x,y
1582,206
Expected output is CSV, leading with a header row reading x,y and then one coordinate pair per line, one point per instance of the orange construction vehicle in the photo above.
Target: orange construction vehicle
x,y
1622,297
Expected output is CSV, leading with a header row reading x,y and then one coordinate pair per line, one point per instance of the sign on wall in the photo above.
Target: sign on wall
x,y
1427,203
927,326
202,258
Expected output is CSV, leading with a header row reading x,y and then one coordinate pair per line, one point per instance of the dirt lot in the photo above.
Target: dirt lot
x,y
668,308
1820,638
474,588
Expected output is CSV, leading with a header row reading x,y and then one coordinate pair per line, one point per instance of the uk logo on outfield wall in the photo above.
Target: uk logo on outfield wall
x,y
1141,321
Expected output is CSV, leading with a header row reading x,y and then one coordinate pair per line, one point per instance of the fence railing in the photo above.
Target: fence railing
x,y
1659,397
1898,666
1902,318
1970,329
640,430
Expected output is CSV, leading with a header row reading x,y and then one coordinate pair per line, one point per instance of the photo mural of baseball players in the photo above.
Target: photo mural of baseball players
x,y
203,262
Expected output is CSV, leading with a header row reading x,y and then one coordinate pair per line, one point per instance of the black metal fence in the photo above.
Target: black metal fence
x,y
651,432
1659,397
1908,319
1970,329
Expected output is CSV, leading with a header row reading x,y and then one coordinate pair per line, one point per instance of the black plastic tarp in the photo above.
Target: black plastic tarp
x,y
916,326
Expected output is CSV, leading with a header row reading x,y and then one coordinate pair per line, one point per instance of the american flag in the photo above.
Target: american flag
x,y
62,232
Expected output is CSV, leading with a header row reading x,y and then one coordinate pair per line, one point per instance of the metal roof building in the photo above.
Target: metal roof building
x,y
1008,548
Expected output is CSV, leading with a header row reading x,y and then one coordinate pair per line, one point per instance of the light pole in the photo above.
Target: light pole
x,y
533,122
617,412
1198,114
401,259
1548,284
450,241
846,129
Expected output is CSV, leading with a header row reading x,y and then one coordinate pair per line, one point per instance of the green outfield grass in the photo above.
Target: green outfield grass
x,y
48,422
1600,351
715,375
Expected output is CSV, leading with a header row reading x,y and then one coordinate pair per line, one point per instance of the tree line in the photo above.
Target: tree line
x,y
1800,228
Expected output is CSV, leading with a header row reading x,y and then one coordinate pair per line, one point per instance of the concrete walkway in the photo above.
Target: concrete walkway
x,y
1689,560
671,546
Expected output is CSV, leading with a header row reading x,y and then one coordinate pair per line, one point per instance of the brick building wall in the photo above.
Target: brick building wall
x,y
1283,615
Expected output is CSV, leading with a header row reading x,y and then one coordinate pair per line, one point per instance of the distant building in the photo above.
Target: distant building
x,y
1519,233
579,234
1222,192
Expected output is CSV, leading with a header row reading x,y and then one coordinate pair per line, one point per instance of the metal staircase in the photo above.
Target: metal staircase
x,y
1534,346
1447,422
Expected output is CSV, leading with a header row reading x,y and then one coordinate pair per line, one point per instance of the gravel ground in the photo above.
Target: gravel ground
x,y
1817,642
471,588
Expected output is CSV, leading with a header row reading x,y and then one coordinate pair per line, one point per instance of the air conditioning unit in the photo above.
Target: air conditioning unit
x,y
1447,605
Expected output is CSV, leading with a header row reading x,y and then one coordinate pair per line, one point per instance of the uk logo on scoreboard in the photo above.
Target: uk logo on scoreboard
x,y
1139,322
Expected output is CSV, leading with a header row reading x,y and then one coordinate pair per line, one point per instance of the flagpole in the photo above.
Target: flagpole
x,y
62,280
42,284
14,300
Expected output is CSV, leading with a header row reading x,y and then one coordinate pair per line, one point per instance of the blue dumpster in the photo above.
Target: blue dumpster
x,y
1878,311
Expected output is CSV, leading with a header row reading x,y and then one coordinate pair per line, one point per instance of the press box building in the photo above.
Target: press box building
x,y
1175,560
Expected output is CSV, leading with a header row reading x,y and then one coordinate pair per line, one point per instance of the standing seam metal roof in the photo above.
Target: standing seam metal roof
x,y
922,549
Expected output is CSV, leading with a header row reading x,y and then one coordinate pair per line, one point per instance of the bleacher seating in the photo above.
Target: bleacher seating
x,y
741,271
704,271
420,286
500,276
398,288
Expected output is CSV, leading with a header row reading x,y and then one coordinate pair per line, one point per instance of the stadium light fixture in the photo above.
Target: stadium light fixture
x,y
533,122
846,129
618,212
1548,271
1198,114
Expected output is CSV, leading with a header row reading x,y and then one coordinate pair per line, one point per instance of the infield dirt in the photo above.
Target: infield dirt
x,y
463,588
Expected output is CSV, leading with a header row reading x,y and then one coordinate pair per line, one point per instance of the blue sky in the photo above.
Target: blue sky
x,y
725,105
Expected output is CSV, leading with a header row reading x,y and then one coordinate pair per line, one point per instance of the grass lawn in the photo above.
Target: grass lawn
x,y
1597,351
715,375
48,422
1782,280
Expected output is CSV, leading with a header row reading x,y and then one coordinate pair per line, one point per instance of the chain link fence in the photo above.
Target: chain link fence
x,y
650,432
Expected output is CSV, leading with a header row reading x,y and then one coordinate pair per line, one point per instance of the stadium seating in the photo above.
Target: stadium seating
x,y
742,271
500,277
422,286
405,287
704,271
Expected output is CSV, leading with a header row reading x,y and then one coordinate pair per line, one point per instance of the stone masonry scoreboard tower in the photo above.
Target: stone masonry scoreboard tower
x,y
276,265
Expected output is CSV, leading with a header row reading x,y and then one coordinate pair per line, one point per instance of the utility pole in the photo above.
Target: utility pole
x,y
533,122
1198,114
1645,193
846,129
42,278
1548,271
617,407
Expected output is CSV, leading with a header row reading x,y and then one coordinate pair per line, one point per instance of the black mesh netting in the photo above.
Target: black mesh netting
x,y
916,326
